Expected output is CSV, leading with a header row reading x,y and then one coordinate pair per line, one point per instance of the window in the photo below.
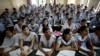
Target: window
x,y
42,2
34,2
71,1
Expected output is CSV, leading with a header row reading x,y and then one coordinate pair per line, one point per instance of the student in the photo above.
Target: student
x,y
5,20
95,21
26,42
38,19
82,23
9,43
78,18
66,41
84,42
69,24
33,27
47,40
95,38
49,18
58,20
14,16
26,19
45,24
18,26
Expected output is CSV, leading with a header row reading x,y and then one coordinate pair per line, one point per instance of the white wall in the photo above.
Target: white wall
x,y
10,4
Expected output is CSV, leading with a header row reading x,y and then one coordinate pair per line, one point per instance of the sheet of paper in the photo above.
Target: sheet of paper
x,y
96,47
66,53
85,49
41,53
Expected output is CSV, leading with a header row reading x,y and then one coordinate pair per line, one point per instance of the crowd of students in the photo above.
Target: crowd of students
x,y
30,28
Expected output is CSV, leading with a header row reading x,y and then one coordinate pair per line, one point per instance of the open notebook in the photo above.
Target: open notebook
x,y
95,47
41,53
66,53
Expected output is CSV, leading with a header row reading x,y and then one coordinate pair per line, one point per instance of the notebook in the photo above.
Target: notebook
x,y
41,53
66,53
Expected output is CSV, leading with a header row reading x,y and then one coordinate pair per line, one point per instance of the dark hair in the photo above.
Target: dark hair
x,y
19,19
67,14
43,22
66,31
31,20
47,13
11,29
78,12
70,19
83,20
97,28
45,29
24,26
26,14
82,28
98,14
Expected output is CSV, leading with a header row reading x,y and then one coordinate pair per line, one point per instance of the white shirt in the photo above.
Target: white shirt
x,y
82,41
72,26
19,29
94,38
29,37
62,42
41,27
9,42
33,28
47,43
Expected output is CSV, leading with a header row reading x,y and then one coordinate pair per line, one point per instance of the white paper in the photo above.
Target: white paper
x,y
85,49
41,53
66,53
95,47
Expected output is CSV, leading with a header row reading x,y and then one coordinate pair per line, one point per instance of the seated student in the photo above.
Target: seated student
x,y
66,41
49,18
5,20
58,20
26,42
45,24
78,18
9,43
14,16
95,37
26,19
38,19
33,27
95,21
82,23
84,42
18,26
69,24
47,40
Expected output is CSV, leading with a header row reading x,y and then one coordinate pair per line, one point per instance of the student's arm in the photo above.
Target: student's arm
x,y
58,48
40,48
75,47
53,48
76,29
21,44
90,46
32,43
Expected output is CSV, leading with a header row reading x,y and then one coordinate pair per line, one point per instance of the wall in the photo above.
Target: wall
x,y
10,4
5,4
61,2
77,2
93,3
